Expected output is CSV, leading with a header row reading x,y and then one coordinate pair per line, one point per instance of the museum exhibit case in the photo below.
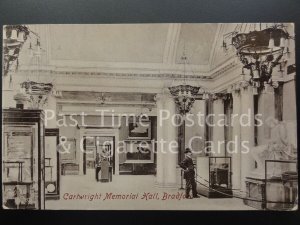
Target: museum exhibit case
x,y
281,184
23,159
52,163
278,190
215,173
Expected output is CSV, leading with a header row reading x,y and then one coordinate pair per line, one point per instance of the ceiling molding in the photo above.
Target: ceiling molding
x,y
172,43
86,74
225,68
213,49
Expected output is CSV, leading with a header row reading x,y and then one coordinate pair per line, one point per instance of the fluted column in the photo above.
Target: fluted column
x,y
247,132
218,128
235,148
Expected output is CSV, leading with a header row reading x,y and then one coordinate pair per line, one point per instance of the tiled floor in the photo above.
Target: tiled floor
x,y
123,185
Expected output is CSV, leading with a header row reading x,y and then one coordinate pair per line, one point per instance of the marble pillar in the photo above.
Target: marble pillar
x,y
167,152
235,147
171,142
160,138
247,133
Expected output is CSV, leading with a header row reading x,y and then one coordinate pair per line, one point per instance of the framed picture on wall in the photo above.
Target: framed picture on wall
x,y
139,152
68,150
90,141
139,130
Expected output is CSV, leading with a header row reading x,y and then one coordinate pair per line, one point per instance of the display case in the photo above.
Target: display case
x,y
281,184
277,190
52,163
215,173
23,155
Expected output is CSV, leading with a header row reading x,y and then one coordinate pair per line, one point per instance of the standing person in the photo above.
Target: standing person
x,y
189,174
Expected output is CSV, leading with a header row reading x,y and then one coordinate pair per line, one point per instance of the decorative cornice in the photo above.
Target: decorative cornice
x,y
119,75
215,74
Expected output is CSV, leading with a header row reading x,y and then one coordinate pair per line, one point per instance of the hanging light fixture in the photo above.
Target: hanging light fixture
x,y
14,36
184,94
37,92
259,50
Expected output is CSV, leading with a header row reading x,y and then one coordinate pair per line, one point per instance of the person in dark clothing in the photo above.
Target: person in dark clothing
x,y
189,174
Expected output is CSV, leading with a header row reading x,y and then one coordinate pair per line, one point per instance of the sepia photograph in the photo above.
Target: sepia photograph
x,y
149,116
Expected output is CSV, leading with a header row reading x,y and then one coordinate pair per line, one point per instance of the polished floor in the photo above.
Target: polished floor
x,y
129,192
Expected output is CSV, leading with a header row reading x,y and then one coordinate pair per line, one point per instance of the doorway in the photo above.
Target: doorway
x,y
98,148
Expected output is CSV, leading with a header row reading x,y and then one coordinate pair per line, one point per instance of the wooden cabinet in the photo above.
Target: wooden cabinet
x,y
23,159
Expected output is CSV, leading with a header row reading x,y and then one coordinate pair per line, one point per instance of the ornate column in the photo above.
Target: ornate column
x,y
218,137
247,131
171,142
167,152
236,137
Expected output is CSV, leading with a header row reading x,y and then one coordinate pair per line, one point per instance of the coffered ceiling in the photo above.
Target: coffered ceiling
x,y
109,43
131,47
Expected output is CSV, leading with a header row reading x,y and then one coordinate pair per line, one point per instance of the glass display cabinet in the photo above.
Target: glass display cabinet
x,y
52,163
215,173
281,184
23,159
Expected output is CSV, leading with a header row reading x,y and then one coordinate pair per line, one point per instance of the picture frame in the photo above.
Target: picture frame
x,y
139,130
139,152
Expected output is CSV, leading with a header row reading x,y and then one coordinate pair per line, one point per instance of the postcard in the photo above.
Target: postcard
x,y
164,116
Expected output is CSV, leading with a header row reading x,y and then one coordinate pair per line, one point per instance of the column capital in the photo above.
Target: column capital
x,y
220,96
246,88
234,88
